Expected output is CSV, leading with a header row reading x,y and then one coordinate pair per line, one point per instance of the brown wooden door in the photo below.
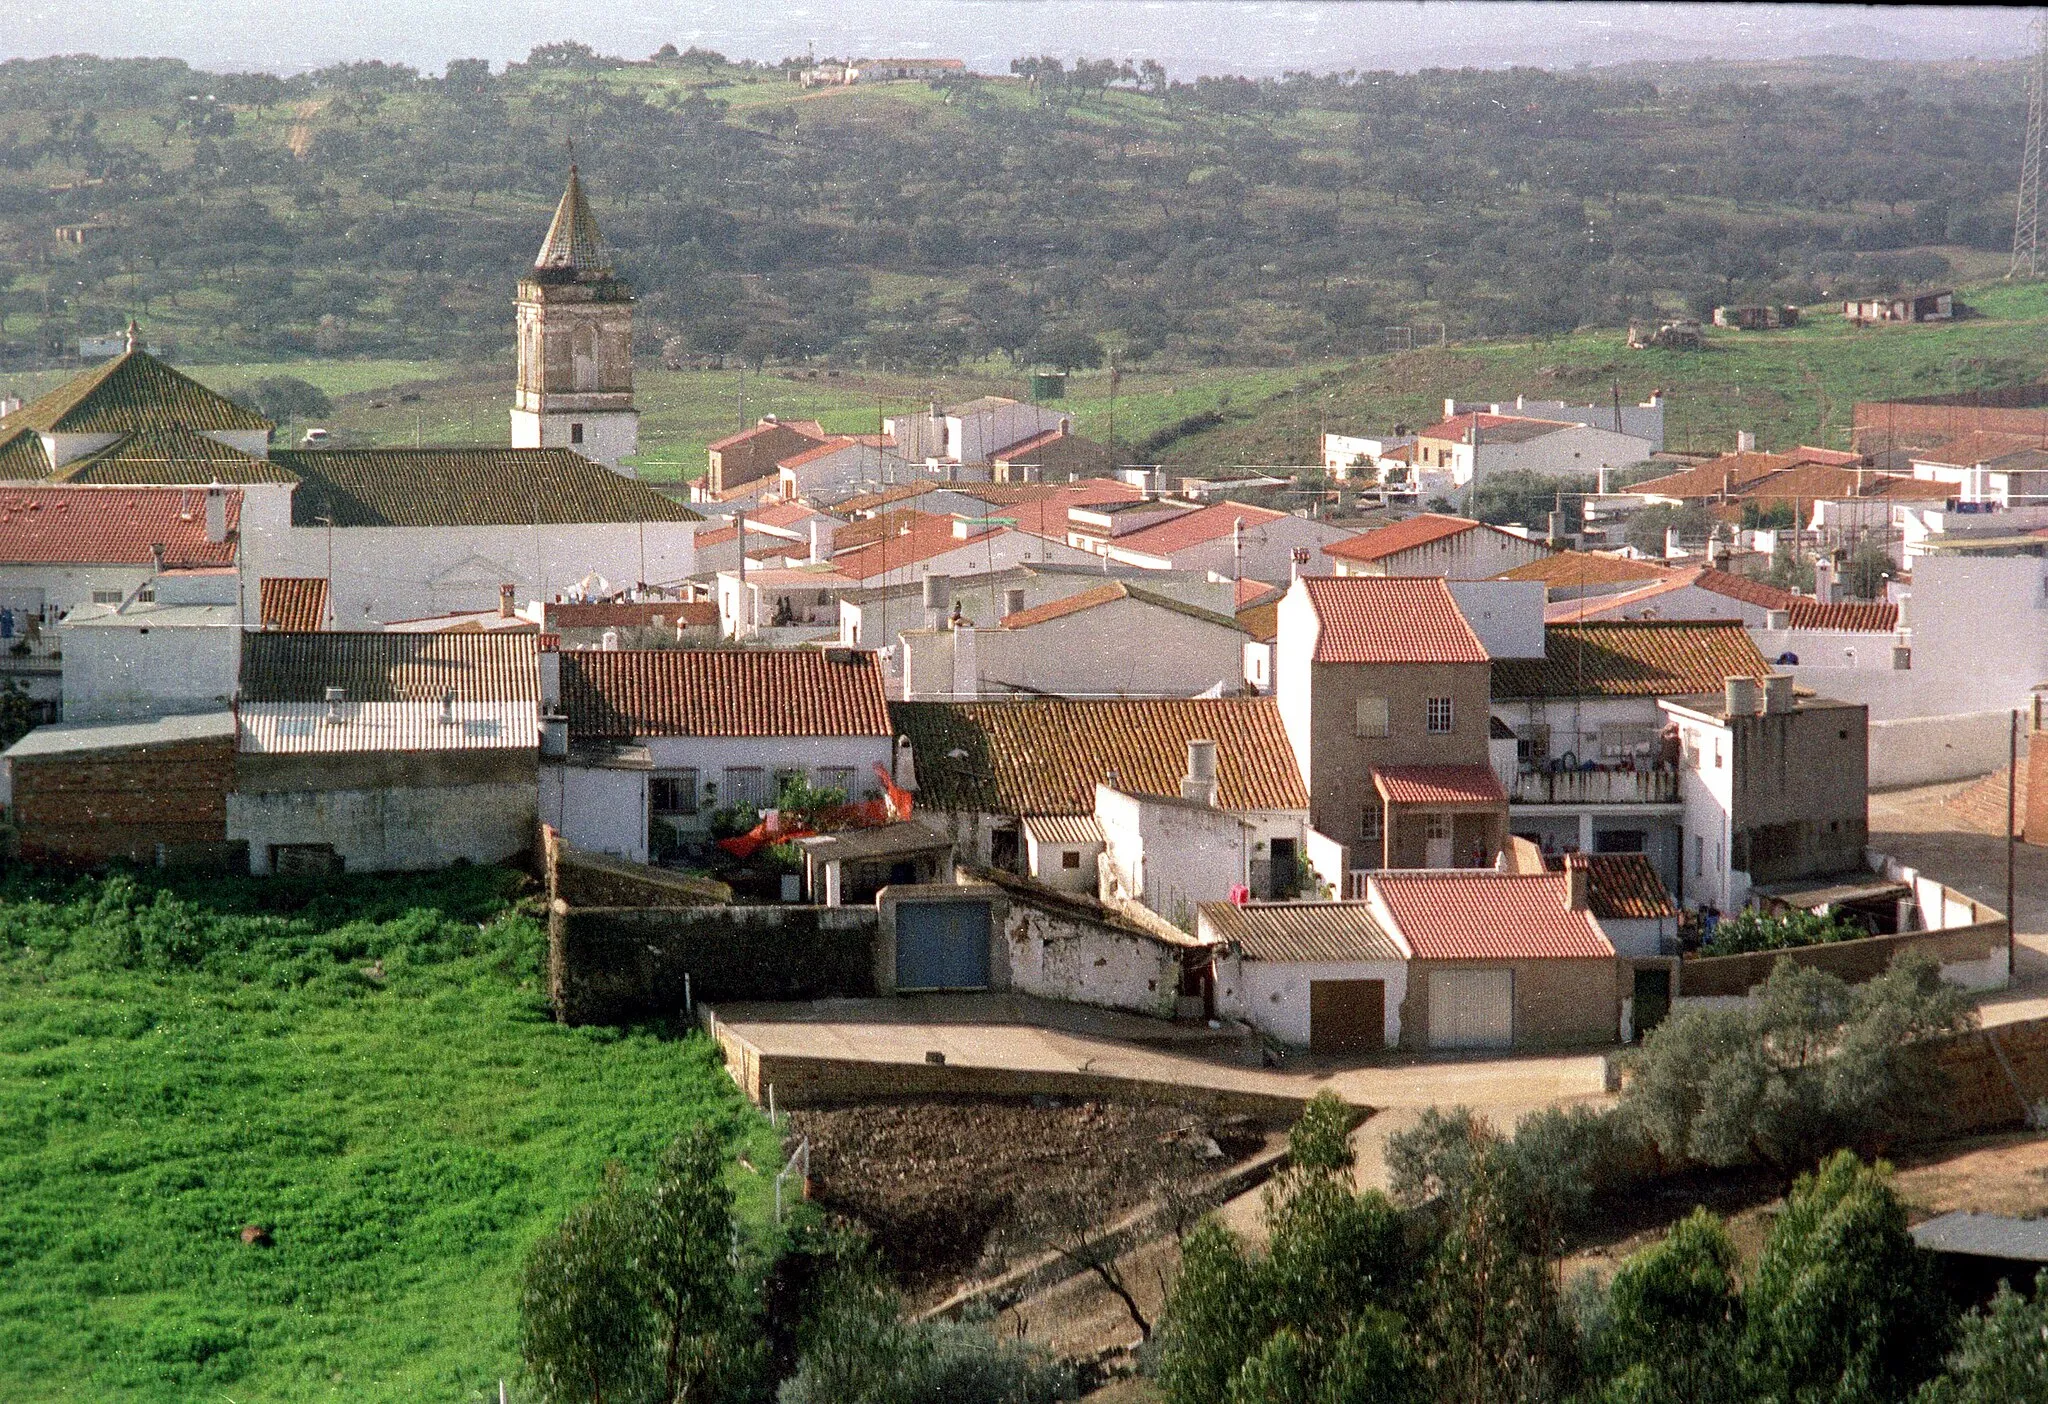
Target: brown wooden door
x,y
1347,1016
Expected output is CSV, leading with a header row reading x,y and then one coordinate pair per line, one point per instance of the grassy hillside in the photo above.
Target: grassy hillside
x,y
364,1067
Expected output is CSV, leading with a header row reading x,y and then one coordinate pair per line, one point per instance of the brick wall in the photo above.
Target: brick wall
x,y
2033,817
1996,1077
93,808
610,965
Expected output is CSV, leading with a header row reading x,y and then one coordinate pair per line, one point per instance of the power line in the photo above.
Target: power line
x,y
2026,230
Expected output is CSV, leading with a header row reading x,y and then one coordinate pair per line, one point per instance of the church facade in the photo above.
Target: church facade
x,y
575,384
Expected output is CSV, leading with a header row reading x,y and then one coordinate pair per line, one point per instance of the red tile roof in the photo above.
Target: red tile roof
x,y
1389,619
1459,430
1623,886
1438,784
918,536
294,604
809,428
723,692
1565,569
112,526
1109,594
786,514
1195,528
1978,446
1489,916
1251,592
1809,613
1731,471
810,455
1632,658
624,614
1396,537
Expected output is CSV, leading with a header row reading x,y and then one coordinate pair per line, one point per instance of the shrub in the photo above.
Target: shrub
x,y
1752,930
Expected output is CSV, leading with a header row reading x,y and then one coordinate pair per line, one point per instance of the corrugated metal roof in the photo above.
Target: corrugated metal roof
x,y
724,692
1079,829
290,728
67,738
391,667
441,487
1633,658
1481,915
1303,931
1046,755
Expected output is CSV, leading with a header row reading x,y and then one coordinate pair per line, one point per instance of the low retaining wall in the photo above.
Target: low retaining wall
x,y
1929,750
1998,1077
609,965
1972,956
804,1080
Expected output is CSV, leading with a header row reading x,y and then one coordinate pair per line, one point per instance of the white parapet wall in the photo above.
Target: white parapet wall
x,y
1929,750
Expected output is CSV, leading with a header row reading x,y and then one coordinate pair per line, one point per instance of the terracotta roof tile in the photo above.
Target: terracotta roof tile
x,y
1730,472
467,487
622,614
1045,756
807,428
1622,886
1500,428
927,536
133,391
294,604
1744,588
1809,613
723,692
1977,446
1564,569
1438,784
1395,537
811,455
1489,916
112,526
1303,931
1204,524
390,667
1632,658
1389,619
1109,594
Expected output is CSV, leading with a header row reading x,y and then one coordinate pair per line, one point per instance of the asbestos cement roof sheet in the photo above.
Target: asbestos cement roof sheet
x,y
1332,932
296,728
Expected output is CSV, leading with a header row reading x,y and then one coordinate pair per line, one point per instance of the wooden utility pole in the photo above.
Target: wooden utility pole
x,y
2012,807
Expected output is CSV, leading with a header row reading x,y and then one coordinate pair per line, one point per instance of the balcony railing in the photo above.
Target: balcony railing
x,y
21,655
1596,787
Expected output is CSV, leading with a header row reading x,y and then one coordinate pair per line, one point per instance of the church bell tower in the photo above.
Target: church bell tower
x,y
575,387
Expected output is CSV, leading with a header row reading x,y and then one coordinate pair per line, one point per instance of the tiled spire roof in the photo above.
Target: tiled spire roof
x,y
573,242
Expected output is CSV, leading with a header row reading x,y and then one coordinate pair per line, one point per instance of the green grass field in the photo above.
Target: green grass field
x,y
179,1059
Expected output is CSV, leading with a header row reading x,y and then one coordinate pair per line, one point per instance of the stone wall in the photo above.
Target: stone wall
x,y
610,965
1997,1077
597,880
1734,976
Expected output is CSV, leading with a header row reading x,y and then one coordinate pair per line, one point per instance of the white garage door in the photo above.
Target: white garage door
x,y
1471,1008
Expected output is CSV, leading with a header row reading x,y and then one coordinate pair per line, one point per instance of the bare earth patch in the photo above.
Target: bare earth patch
x,y
953,1190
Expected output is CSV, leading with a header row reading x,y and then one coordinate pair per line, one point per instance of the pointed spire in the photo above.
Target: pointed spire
x,y
134,335
573,241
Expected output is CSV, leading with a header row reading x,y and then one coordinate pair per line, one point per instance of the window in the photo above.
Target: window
x,y
575,433
1372,716
1437,826
783,776
1699,855
1371,821
1532,744
836,777
1620,841
146,595
1070,857
106,597
1440,716
673,794
744,785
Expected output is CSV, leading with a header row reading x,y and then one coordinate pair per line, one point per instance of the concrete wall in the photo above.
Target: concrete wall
x,y
59,589
388,830
117,671
1973,956
607,965
882,970
1127,648
1558,1003
1273,996
1506,614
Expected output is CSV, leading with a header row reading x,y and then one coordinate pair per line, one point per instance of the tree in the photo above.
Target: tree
x,y
1865,572
584,1327
1319,1143
684,1230
1674,1316
286,397
2001,1354
18,715
1809,1066
1646,528
1065,350
1842,1307
1520,496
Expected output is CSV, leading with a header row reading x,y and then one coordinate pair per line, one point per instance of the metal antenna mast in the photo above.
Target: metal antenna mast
x,y
2026,229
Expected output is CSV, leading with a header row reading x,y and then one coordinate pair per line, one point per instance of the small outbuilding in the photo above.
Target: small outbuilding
x,y
1321,975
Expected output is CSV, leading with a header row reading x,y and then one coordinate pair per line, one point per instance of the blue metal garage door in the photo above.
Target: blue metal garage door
x,y
942,945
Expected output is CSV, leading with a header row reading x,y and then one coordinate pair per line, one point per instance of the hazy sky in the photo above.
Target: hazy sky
x,y
1190,36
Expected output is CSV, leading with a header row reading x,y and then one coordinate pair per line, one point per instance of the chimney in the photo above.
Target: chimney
x,y
508,603
1778,620
1013,602
1298,559
1578,883
1824,580
821,542
156,556
1199,784
1745,441
1555,530
904,765
1672,550
335,697
1778,692
554,734
216,514
1450,408
935,601
962,529
966,664
1739,697
609,641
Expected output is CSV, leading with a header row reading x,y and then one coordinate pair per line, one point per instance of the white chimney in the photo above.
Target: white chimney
x,y
935,601
1672,548
216,514
609,641
1739,697
904,765
335,697
1298,560
821,539
1824,580
1778,620
1745,441
1199,784
1450,407
1778,692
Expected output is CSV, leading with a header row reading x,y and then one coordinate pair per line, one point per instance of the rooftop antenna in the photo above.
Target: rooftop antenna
x,y
2026,229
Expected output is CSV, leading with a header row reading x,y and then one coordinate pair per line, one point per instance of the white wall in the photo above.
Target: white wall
x,y
1172,856
1127,648
1044,862
134,670
1928,750
1580,451
1294,650
608,435
1479,554
1083,963
599,811
1707,791
1272,996
63,588
979,437
1268,550
1506,614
